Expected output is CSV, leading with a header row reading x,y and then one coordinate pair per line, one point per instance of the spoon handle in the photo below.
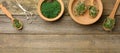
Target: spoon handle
x,y
92,2
114,9
6,12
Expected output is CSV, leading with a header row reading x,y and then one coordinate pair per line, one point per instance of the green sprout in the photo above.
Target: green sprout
x,y
93,11
50,9
81,8
16,23
109,23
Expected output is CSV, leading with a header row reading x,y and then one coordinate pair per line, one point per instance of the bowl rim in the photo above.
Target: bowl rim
x,y
48,19
73,17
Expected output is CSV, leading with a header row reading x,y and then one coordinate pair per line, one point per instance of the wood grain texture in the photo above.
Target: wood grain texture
x,y
62,36
63,26
59,44
14,9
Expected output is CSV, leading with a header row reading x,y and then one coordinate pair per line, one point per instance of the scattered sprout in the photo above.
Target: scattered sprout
x,y
81,8
109,23
93,11
51,9
16,23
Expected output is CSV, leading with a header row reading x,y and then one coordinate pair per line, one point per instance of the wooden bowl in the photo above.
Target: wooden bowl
x,y
85,19
50,19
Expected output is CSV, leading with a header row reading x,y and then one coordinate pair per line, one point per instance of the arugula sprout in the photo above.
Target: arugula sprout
x,y
109,23
51,9
81,8
17,23
93,11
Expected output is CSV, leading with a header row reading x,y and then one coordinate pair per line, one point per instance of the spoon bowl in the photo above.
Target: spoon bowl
x,y
21,27
108,24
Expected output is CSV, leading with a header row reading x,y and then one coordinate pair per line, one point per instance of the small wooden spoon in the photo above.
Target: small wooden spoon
x,y
10,16
112,15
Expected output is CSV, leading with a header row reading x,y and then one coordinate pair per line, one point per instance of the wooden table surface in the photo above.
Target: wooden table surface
x,y
62,36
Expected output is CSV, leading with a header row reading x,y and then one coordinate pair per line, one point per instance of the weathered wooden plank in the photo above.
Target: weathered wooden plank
x,y
42,37
63,26
31,5
59,43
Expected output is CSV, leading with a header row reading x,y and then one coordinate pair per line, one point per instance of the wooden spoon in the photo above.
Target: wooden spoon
x,y
10,16
112,15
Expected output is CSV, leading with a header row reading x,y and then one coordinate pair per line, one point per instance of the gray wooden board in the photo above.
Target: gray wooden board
x,y
62,36
31,5
59,43
63,26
